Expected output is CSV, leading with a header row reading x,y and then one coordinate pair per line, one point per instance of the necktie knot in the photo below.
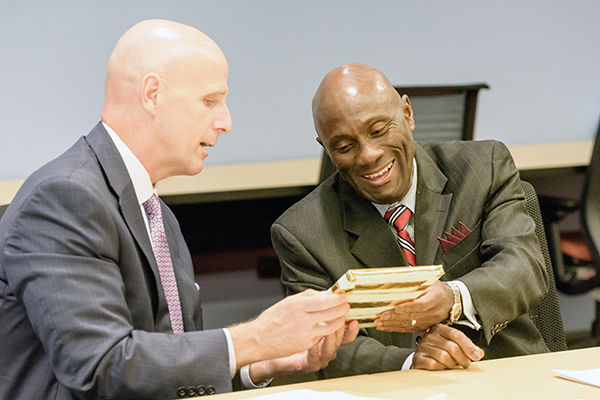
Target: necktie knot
x,y
398,217
152,206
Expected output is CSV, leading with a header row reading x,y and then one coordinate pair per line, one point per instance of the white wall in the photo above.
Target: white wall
x,y
541,59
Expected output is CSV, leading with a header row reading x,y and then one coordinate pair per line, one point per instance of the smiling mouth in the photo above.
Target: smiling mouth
x,y
379,173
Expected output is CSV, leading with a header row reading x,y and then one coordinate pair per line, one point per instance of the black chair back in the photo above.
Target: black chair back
x,y
546,315
443,113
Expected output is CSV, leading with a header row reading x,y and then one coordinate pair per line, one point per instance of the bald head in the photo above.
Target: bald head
x,y
345,87
151,46
166,86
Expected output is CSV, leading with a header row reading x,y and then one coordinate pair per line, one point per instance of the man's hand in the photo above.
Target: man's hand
x,y
432,307
293,325
311,360
444,347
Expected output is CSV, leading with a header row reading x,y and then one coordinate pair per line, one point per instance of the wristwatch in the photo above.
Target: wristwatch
x,y
456,310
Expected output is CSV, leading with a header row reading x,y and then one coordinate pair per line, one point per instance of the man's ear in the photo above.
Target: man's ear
x,y
320,141
408,112
322,145
149,92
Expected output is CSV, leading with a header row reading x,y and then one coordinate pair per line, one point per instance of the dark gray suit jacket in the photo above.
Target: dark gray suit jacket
x,y
334,229
82,312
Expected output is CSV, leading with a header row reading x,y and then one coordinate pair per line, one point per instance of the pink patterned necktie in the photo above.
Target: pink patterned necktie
x,y
160,246
398,217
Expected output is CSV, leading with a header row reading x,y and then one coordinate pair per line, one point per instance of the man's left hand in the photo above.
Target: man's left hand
x,y
445,347
432,307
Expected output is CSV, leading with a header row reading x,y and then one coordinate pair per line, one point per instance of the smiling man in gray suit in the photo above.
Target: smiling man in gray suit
x,y
464,208
97,291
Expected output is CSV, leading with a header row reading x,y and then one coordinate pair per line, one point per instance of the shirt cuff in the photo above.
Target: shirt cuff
x,y
247,382
232,361
468,308
408,362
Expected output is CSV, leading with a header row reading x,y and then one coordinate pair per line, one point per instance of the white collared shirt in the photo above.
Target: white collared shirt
x,y
142,185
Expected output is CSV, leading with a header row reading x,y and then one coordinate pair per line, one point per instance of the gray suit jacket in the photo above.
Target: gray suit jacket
x,y
82,311
334,229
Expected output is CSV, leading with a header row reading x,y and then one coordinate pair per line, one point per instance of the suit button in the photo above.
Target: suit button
x,y
201,390
210,390
181,392
191,391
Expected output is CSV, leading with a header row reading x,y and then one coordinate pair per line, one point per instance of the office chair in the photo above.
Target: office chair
x,y
546,315
442,113
576,256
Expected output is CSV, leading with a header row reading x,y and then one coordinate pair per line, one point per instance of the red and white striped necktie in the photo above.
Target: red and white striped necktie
x,y
398,217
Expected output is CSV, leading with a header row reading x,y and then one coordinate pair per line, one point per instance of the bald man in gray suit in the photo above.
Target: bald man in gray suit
x,y
87,307
494,271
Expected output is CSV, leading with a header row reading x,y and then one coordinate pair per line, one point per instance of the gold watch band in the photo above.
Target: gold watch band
x,y
456,310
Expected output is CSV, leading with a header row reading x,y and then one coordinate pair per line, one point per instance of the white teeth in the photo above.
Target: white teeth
x,y
380,173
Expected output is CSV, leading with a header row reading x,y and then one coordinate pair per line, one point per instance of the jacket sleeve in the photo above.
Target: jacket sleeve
x,y
511,278
372,351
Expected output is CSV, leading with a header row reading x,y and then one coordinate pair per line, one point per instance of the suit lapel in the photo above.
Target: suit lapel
x,y
376,244
118,178
432,207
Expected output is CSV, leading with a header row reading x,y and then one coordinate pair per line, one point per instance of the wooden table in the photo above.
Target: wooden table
x,y
526,377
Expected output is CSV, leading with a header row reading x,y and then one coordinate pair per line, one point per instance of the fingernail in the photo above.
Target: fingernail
x,y
477,354
385,316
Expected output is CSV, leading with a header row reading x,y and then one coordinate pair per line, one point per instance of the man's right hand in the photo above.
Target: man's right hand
x,y
293,325
311,360
444,347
